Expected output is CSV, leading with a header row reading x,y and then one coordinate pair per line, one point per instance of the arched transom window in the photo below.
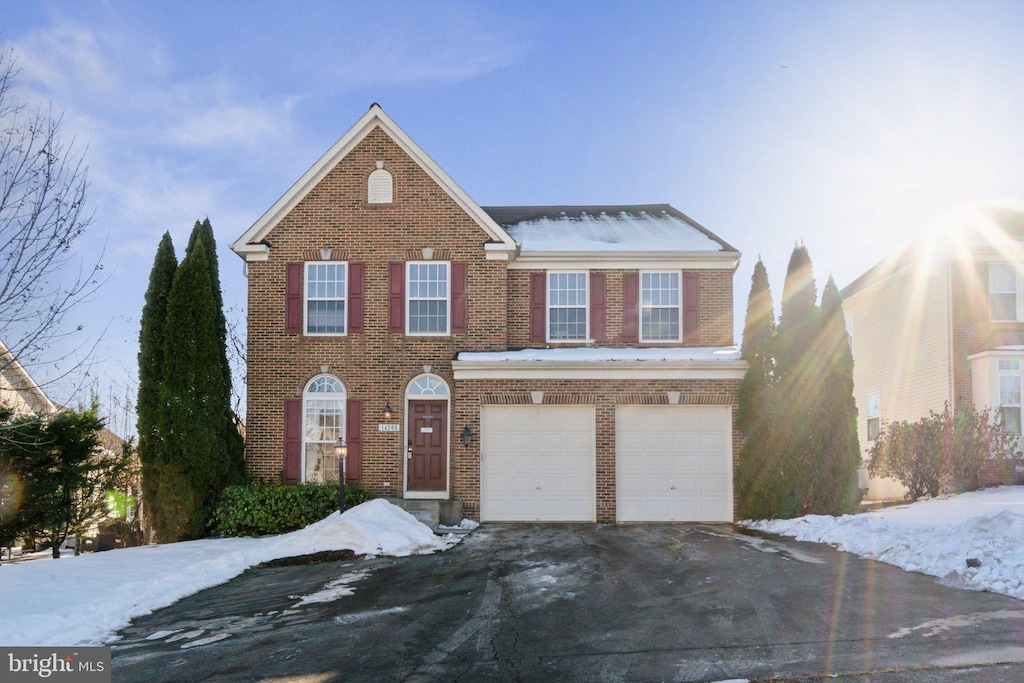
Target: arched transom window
x,y
323,413
427,386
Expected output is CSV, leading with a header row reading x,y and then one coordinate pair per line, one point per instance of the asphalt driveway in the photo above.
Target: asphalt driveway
x,y
584,602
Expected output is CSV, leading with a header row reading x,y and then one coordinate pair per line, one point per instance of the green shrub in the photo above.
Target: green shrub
x,y
257,509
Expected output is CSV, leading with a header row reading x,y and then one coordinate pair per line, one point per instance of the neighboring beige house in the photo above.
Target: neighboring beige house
x,y
18,390
940,321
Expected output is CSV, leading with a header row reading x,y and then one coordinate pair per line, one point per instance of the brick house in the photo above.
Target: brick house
x,y
940,321
536,363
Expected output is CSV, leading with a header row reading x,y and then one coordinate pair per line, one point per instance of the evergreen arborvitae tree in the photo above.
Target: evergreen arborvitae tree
x,y
151,363
836,490
795,437
196,464
757,478
203,232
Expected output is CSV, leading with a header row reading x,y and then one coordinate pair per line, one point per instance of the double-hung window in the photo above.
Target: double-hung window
x,y
873,410
1003,304
568,298
429,293
660,307
1009,395
326,297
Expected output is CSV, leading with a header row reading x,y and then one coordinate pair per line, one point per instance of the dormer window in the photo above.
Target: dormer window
x,y
380,187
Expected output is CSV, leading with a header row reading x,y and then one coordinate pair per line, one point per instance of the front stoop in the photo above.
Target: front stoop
x,y
433,513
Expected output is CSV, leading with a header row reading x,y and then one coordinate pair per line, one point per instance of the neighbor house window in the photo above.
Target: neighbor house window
x,y
326,297
1009,395
323,411
660,307
428,295
567,306
873,410
1002,292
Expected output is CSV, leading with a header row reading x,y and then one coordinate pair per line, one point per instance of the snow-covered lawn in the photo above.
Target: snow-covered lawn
x,y
934,537
86,599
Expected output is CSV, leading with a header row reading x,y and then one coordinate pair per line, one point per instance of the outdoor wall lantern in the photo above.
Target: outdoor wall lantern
x,y
341,450
467,436
388,411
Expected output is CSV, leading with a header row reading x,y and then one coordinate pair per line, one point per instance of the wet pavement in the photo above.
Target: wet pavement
x,y
584,602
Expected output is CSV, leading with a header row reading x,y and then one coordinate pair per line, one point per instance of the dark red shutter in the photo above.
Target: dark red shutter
x,y
354,439
598,307
396,297
355,297
293,298
631,307
538,307
460,307
691,308
292,440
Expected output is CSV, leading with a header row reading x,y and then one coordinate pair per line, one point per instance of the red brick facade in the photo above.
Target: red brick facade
x,y
376,366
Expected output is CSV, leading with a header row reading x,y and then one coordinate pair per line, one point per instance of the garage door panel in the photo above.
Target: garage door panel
x,y
674,463
537,463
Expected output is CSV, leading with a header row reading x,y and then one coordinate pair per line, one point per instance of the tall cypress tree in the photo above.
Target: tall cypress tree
x,y
151,375
757,478
203,232
836,488
191,417
796,434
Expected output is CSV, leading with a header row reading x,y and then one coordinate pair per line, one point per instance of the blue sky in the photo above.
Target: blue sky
x,y
848,125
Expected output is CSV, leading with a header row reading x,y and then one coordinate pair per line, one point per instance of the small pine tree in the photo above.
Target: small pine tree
x,y
836,489
196,462
151,376
756,480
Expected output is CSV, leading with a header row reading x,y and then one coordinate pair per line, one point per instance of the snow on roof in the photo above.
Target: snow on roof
x,y
645,228
584,355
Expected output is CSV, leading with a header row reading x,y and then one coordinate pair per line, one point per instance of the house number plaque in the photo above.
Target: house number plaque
x,y
388,428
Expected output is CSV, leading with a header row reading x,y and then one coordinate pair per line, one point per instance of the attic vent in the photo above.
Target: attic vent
x,y
380,188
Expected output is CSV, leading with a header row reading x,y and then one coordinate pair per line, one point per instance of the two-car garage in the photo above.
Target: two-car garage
x,y
672,463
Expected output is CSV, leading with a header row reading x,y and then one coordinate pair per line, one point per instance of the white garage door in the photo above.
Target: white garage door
x,y
537,463
673,463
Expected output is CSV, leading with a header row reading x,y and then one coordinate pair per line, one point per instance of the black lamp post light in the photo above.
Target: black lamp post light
x,y
341,450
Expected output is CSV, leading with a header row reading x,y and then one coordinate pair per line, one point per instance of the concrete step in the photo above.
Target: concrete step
x,y
432,512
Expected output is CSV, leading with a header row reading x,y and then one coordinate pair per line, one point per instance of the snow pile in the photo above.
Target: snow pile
x,y
934,537
84,600
578,355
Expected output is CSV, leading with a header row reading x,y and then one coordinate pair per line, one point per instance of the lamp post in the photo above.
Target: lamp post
x,y
341,450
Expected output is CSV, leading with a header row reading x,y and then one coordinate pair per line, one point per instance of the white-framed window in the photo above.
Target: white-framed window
x,y
873,411
326,295
568,306
1003,293
380,187
661,307
1009,394
428,290
323,423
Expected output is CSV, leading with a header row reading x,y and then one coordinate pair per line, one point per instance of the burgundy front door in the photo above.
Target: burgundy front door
x,y
428,427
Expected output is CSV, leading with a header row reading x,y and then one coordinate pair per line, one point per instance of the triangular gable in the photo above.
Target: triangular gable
x,y
248,245
18,389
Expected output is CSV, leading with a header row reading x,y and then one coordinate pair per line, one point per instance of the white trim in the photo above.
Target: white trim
x,y
650,260
679,307
649,370
448,299
373,118
305,299
586,307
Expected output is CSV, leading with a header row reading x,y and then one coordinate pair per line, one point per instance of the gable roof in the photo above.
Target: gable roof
x,y
249,246
618,228
18,389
